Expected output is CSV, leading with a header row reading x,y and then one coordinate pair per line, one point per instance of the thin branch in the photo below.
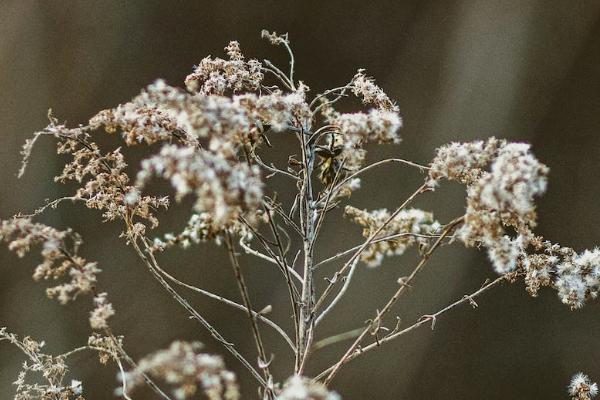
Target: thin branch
x,y
286,43
380,239
228,302
376,164
293,291
367,243
424,320
256,253
314,138
119,365
124,382
308,219
278,73
259,235
241,282
150,263
288,241
333,101
340,294
133,364
403,285
265,257
52,204
265,245
328,92
271,205
293,211
273,168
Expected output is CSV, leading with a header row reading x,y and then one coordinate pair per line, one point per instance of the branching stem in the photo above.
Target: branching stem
x,y
424,320
403,285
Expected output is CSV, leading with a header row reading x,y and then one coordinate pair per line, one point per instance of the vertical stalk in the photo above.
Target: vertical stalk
x,y
308,219
239,277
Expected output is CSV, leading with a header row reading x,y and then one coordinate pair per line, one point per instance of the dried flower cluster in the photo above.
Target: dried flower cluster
x,y
407,228
502,196
209,141
582,388
223,190
199,228
138,123
365,88
348,133
51,369
188,371
216,76
59,259
301,388
274,38
502,199
103,311
463,162
108,348
575,276
356,130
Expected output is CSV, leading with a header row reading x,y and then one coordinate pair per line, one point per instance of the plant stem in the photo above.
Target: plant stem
x,y
308,218
228,302
366,244
150,262
404,284
422,321
243,288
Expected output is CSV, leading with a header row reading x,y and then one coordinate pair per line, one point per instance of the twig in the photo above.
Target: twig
x,y
333,101
279,262
286,44
278,73
117,360
393,299
288,221
273,169
366,244
307,217
256,253
381,239
340,294
328,92
293,291
420,322
322,131
51,204
376,164
241,282
133,364
124,380
150,263
228,302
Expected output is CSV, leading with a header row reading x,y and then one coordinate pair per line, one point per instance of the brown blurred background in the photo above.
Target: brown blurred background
x,y
524,70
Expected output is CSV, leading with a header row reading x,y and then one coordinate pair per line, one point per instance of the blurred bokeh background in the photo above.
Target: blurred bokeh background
x,y
525,70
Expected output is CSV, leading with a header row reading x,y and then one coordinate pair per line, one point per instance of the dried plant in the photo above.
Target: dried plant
x,y
213,140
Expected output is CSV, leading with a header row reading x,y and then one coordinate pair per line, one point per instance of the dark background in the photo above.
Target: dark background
x,y
524,70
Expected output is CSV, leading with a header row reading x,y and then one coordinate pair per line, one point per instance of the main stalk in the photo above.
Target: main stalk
x,y
308,218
